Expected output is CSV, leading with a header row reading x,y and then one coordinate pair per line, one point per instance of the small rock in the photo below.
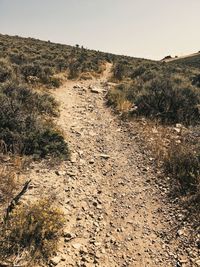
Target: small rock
x,y
73,158
198,262
91,133
95,90
181,232
82,162
179,125
55,260
104,156
71,174
178,130
77,246
68,236
60,173
77,86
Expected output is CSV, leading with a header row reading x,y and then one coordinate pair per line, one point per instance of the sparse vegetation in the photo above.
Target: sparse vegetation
x,y
183,163
32,231
167,93
162,93
38,61
25,126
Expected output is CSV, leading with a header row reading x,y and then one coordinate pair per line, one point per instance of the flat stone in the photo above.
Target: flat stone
x,y
96,90
55,260
77,246
198,262
60,173
73,158
104,156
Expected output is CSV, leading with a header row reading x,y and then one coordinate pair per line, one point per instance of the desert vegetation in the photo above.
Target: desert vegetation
x,y
38,62
168,95
163,99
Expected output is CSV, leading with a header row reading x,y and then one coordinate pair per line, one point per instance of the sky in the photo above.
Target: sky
x,y
141,28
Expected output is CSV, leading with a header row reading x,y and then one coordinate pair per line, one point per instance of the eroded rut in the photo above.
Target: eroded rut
x,y
108,192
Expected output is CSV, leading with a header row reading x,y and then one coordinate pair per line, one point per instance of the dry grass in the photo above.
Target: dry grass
x,y
86,76
171,147
9,182
32,232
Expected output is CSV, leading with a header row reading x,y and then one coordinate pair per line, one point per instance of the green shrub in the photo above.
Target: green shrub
x,y
23,127
169,100
29,100
45,142
55,82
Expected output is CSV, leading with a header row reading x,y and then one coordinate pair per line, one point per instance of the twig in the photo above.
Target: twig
x,y
15,200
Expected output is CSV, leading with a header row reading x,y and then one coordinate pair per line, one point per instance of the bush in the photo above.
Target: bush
x,y
74,70
45,142
23,127
5,71
31,70
119,71
196,80
183,164
28,100
55,82
8,184
169,100
17,58
35,228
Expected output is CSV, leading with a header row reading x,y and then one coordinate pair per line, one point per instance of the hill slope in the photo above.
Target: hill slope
x,y
120,206
192,60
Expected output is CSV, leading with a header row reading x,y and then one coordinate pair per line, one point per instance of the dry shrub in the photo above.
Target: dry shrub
x,y
102,67
8,184
95,75
116,98
157,137
183,164
6,71
124,106
34,229
179,155
86,76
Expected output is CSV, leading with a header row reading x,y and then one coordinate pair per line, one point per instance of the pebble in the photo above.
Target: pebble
x,y
55,260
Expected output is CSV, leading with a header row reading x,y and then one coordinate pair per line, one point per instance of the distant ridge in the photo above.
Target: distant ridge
x,y
192,60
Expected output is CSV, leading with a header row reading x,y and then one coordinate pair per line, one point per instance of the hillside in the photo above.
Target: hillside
x,y
192,60
41,59
99,158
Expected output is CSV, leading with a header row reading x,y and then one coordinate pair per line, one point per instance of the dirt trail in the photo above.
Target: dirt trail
x,y
108,192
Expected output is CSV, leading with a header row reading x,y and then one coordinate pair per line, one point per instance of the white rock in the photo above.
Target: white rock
x,y
104,156
96,90
77,246
55,260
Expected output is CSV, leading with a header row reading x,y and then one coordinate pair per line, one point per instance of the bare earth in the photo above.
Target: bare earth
x,y
115,212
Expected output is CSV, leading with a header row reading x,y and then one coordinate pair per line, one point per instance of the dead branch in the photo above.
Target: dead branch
x,y
15,200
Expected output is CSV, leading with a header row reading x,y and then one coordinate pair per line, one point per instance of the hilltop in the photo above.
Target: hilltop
x,y
192,60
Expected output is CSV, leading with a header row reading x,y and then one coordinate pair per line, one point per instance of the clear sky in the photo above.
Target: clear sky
x,y
141,28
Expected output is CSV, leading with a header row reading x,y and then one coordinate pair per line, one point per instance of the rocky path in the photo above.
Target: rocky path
x,y
114,209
